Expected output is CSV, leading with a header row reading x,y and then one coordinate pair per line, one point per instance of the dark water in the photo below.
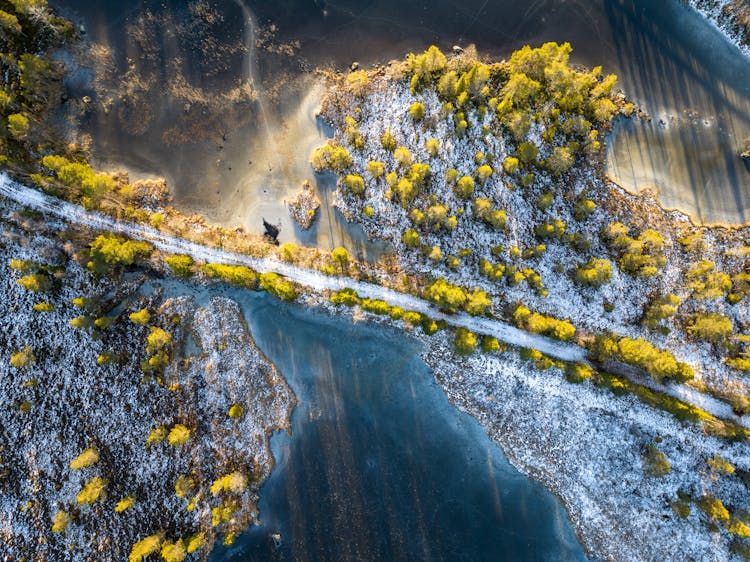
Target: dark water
x,y
669,60
379,466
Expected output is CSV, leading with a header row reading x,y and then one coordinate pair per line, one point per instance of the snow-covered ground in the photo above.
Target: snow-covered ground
x,y
618,306
66,400
315,280
587,446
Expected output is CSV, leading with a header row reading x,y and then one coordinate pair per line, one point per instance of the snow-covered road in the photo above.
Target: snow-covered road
x,y
42,202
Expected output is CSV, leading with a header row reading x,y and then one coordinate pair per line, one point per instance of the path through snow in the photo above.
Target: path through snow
x,y
40,201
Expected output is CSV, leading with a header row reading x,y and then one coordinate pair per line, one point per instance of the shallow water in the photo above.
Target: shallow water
x,y
669,60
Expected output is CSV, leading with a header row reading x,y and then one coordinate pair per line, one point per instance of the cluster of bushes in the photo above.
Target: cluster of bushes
x,y
84,183
596,272
660,364
642,256
330,157
238,275
483,210
452,298
712,326
660,309
542,324
707,283
158,344
112,250
349,297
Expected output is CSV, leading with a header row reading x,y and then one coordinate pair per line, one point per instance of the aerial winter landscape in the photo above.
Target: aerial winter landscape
x,y
346,280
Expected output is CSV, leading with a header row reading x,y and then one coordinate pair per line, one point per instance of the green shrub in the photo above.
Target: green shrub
x,y
234,274
22,358
713,327
596,272
180,265
87,458
713,508
376,307
466,341
490,344
141,317
35,282
376,169
655,462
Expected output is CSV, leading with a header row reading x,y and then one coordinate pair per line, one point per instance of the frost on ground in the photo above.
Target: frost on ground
x,y
591,447
490,176
303,207
169,461
536,269
732,17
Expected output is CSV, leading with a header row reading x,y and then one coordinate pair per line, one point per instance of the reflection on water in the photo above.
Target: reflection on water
x,y
379,466
696,86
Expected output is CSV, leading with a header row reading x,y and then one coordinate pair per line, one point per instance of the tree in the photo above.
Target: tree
x,y
180,265
464,187
713,508
449,298
416,110
411,238
466,341
483,173
330,157
655,462
432,146
527,152
713,327
477,303
355,184
141,317
111,249
60,521
22,358
510,165
174,551
124,504
278,286
376,169
91,491
388,141
18,126
87,458
146,547
35,282
358,82
596,272
661,309
341,257
561,160
402,156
